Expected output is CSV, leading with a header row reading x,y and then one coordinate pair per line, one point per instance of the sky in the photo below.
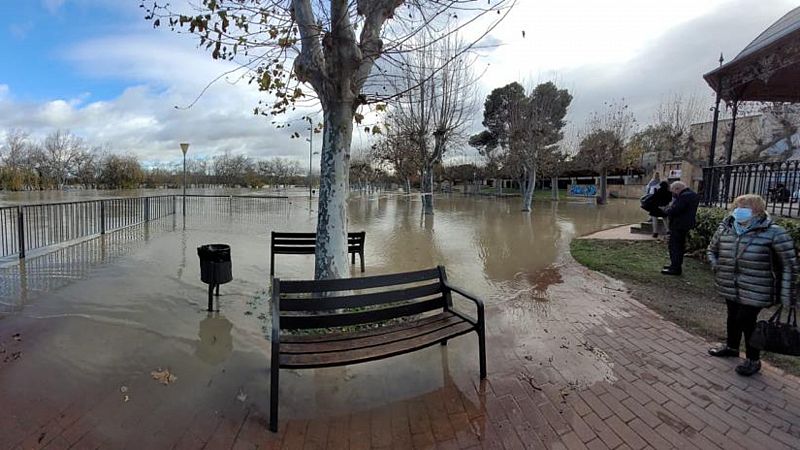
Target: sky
x,y
98,69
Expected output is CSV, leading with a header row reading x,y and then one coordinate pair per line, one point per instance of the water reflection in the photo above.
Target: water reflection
x,y
216,342
58,268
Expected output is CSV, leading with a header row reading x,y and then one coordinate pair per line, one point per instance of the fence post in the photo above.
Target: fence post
x,y
147,209
174,204
102,217
21,232
230,205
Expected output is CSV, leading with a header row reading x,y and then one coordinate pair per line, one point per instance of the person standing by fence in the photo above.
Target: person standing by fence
x,y
755,266
682,215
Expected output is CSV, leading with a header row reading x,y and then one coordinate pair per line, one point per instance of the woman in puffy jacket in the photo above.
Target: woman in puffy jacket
x,y
755,266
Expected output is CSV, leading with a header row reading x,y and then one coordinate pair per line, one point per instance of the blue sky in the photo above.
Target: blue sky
x,y
97,68
39,34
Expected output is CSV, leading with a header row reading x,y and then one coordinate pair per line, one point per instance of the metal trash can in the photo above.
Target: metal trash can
x,y
215,268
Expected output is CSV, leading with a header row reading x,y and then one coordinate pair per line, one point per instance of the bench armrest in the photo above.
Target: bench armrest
x,y
478,302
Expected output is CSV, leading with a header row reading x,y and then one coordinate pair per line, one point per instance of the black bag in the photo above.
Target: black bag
x,y
647,202
776,337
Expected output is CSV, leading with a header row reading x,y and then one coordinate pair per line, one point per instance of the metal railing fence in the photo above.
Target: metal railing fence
x,y
778,183
30,227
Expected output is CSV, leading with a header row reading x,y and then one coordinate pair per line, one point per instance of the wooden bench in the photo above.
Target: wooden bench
x,y
305,244
417,305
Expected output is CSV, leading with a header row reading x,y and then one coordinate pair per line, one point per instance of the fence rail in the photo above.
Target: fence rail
x,y
30,227
777,183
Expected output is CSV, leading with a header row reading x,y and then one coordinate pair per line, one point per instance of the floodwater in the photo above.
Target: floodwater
x,y
95,318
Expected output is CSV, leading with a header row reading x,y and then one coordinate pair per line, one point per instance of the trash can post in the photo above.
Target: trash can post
x,y
215,268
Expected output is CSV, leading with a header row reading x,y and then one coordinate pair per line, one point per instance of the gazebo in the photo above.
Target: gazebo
x,y
767,70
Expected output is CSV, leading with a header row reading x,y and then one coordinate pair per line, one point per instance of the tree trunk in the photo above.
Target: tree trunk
x,y
331,251
554,187
528,186
602,194
427,189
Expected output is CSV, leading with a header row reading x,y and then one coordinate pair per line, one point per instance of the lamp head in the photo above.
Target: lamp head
x,y
184,147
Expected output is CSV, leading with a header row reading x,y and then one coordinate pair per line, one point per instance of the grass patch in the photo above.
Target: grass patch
x,y
690,301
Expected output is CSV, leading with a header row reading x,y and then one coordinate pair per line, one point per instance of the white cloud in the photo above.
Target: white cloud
x,y
600,50
53,5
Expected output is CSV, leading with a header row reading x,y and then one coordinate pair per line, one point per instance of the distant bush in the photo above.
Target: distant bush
x,y
708,220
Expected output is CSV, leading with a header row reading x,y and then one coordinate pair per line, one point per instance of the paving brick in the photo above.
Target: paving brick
x,y
603,431
618,408
626,433
649,434
597,406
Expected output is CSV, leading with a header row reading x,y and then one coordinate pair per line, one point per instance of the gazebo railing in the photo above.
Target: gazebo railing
x,y
778,183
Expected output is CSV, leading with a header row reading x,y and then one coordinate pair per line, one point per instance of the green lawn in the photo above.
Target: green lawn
x,y
689,300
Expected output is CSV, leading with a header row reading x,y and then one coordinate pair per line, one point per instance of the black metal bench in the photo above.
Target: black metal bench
x,y
305,244
417,305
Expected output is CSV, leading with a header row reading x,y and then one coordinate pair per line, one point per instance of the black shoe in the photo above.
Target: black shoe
x,y
670,271
655,235
748,368
667,267
723,351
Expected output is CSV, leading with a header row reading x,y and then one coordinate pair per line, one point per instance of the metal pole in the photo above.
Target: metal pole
x,y
184,184
732,134
310,149
21,232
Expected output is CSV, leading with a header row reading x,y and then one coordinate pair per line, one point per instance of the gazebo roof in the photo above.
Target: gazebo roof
x,y
768,69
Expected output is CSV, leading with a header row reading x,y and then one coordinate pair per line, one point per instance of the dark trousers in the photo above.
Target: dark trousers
x,y
677,247
742,321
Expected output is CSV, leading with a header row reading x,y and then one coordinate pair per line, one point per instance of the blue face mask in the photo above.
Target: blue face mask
x,y
742,215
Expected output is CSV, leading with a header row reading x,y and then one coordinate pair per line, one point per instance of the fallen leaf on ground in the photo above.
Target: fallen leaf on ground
x,y
163,376
17,337
123,389
241,396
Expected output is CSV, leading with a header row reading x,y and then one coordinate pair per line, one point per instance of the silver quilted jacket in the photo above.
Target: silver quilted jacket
x,y
758,268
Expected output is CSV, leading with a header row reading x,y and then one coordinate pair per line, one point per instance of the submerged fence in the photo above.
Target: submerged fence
x,y
30,227
777,183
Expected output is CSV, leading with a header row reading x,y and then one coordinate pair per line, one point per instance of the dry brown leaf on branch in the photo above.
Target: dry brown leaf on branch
x,y
163,376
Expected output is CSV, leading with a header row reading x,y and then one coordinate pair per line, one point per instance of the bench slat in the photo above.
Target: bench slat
x,y
309,360
293,250
345,284
344,336
359,300
359,318
283,234
409,330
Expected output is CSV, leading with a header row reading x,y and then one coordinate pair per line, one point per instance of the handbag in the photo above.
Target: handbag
x,y
776,337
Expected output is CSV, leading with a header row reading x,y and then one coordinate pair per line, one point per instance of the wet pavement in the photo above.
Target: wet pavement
x,y
573,361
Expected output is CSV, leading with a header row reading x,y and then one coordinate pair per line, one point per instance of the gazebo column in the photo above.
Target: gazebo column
x,y
731,132
729,150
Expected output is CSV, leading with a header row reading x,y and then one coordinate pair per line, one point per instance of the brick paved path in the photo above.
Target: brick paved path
x,y
574,363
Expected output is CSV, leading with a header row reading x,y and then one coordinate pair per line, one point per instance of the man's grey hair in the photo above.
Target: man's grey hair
x,y
677,186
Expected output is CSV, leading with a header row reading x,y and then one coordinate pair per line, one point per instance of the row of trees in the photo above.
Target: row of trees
x,y
63,159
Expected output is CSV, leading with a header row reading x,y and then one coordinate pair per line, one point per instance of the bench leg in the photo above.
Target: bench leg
x,y
482,352
273,396
443,342
361,255
353,258
217,293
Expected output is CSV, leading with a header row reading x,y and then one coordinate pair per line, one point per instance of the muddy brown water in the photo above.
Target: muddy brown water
x,y
97,317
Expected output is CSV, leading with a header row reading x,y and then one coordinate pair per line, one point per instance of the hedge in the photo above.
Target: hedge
x,y
708,220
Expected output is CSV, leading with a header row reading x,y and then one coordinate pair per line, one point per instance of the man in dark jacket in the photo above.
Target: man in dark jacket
x,y
682,214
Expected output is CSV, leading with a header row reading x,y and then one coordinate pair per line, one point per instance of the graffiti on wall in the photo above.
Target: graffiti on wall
x,y
583,190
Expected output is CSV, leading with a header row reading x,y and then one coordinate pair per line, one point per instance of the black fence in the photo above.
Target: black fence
x,y
777,183
31,227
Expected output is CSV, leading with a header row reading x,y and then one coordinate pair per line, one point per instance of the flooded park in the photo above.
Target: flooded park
x,y
95,318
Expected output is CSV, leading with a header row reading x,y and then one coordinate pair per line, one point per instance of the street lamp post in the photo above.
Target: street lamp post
x,y
310,150
184,149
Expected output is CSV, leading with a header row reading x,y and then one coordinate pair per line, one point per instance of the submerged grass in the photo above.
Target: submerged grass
x,y
690,300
